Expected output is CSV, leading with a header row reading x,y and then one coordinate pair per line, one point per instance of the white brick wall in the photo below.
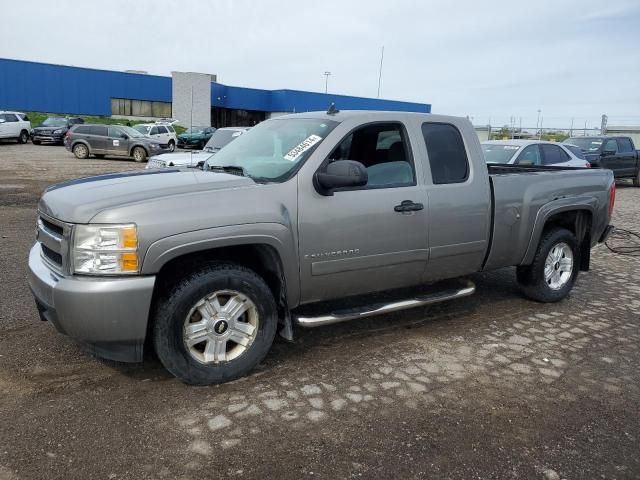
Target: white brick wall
x,y
182,85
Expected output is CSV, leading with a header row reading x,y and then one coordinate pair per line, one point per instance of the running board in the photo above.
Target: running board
x,y
465,288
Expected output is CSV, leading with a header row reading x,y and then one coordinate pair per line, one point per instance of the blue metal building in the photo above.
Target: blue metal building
x,y
31,86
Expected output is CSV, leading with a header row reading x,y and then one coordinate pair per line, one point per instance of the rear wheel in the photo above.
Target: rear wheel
x,y
139,154
214,325
81,151
555,267
24,137
172,146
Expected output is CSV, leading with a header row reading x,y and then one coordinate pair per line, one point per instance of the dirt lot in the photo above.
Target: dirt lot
x,y
491,386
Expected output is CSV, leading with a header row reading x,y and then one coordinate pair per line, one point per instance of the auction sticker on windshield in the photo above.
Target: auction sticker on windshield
x,y
302,147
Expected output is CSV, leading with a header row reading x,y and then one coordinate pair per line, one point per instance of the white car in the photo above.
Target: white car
x,y
219,139
162,132
15,125
531,153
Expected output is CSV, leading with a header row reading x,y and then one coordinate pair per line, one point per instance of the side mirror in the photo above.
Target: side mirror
x,y
340,174
124,136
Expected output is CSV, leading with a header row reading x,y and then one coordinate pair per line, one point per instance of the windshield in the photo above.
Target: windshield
x,y
130,131
577,151
586,144
54,122
496,153
220,138
195,130
273,149
143,129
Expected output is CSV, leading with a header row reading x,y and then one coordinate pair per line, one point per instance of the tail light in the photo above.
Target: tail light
x,y
612,197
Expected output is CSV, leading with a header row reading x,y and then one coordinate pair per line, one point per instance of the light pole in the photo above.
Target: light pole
x,y
538,120
326,81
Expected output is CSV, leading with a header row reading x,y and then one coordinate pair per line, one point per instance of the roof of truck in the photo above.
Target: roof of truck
x,y
342,115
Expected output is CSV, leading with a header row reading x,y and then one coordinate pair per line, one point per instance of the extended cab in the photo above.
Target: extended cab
x,y
299,212
617,154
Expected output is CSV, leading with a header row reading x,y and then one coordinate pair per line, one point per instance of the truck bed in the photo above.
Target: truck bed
x,y
523,197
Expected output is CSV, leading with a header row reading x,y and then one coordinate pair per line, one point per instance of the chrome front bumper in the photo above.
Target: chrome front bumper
x,y
107,315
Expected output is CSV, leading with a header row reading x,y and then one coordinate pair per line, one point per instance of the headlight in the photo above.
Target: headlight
x,y
57,132
105,249
154,145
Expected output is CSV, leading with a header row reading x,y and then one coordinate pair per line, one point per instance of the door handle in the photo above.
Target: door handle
x,y
408,206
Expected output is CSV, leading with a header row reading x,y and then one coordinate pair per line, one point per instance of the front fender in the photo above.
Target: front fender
x,y
275,235
554,207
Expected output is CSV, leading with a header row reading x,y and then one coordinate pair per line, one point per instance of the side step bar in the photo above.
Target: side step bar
x,y
465,288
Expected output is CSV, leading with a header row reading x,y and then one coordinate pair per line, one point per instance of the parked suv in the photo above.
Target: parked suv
x,y
53,129
14,125
162,132
117,140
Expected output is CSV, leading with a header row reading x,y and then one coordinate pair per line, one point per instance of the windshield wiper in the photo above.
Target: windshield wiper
x,y
231,169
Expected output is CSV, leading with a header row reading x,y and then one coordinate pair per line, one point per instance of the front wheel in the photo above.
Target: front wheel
x,y
636,179
35,142
555,267
172,146
24,137
139,154
215,325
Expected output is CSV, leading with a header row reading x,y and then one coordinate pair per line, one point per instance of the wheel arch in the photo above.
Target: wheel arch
x,y
84,142
577,218
136,145
264,254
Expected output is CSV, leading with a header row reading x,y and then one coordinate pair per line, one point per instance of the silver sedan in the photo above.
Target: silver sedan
x,y
533,152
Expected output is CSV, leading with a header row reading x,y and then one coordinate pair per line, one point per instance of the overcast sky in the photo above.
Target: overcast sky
x,y
486,59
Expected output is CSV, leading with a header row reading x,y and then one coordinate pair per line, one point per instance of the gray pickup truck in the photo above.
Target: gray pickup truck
x,y
282,225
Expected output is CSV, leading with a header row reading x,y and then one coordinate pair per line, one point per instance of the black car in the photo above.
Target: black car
x,y
53,129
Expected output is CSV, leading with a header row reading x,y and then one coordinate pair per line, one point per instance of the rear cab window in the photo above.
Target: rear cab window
x,y
447,155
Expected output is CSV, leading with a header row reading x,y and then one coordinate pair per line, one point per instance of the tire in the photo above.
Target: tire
x,y
176,309
557,249
172,146
636,179
201,146
35,142
81,151
139,154
24,137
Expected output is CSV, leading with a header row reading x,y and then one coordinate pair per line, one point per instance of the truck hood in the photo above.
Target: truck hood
x,y
78,201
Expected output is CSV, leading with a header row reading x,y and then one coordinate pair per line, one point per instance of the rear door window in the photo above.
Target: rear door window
x,y
624,145
447,155
162,129
552,154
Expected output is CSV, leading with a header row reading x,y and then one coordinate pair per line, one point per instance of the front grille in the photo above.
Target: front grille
x,y
53,237
52,226
51,255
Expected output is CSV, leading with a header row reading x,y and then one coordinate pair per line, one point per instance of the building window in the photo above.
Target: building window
x,y
140,108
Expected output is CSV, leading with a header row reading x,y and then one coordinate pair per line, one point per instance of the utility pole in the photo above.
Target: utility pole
x,y
538,120
585,129
540,133
571,129
380,70
326,81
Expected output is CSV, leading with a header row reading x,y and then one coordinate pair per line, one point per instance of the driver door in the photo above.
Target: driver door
x,y
117,142
358,240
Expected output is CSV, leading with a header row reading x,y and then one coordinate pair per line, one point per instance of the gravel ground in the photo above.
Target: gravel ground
x,y
490,386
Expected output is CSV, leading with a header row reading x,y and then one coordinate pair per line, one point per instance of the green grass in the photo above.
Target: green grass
x,y
38,117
